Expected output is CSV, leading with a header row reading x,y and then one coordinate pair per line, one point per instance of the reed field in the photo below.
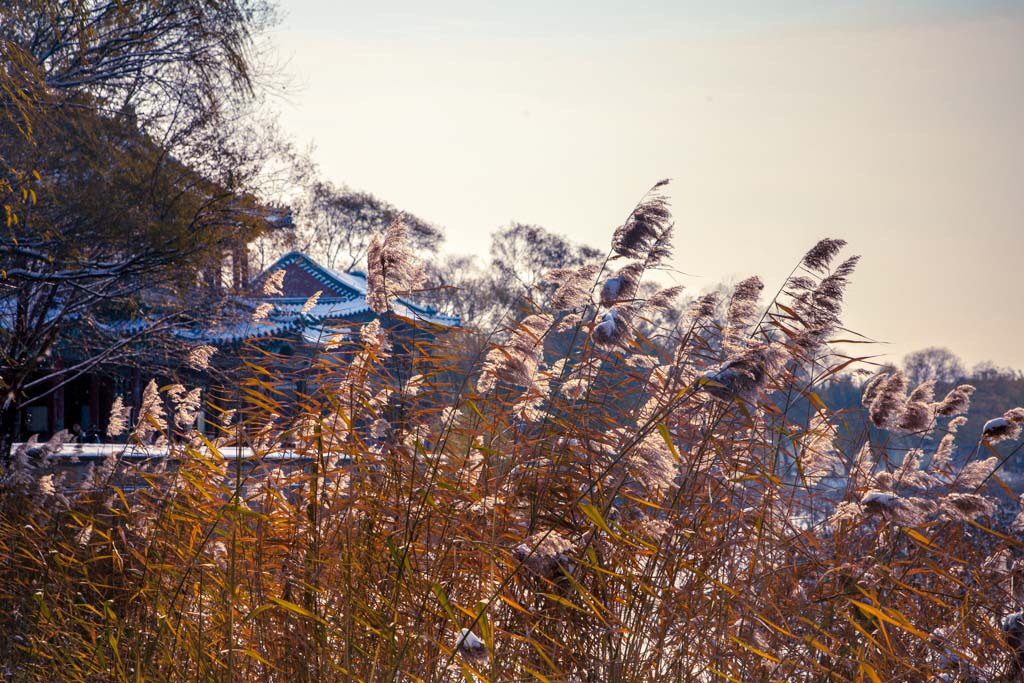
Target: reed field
x,y
622,483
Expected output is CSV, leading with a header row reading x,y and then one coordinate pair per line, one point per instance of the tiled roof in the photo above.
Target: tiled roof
x,y
236,332
344,299
347,287
336,285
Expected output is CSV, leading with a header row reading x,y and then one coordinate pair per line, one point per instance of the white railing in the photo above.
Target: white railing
x,y
98,451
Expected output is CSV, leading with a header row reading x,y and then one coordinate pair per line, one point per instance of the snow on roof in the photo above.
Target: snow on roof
x,y
347,303
349,286
325,308
234,333
353,287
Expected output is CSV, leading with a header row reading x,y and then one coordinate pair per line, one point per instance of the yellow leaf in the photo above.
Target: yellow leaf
x,y
538,675
756,651
297,609
442,598
663,430
866,668
918,536
816,400
884,616
594,514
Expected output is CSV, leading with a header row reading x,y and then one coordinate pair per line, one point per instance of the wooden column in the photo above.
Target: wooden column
x,y
58,409
94,402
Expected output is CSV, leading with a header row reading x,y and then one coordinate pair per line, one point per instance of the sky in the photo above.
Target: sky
x,y
898,127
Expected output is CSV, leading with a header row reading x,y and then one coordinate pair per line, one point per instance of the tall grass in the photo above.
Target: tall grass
x,y
590,494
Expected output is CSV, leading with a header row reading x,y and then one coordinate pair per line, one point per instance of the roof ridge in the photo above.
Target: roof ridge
x,y
355,283
320,272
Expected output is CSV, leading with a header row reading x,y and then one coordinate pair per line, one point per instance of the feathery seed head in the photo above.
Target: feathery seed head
x,y
911,474
375,338
545,553
83,536
743,375
517,360
923,393
652,463
392,268
118,422
199,357
863,466
151,413
821,254
647,233
743,308
871,388
889,398
705,305
262,312
916,417
818,456
965,506
311,302
664,299
187,408
272,285
956,401
45,487
943,453
743,302
1004,428
846,511
574,285
976,473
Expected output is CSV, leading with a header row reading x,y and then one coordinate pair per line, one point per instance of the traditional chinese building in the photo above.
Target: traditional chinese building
x,y
289,329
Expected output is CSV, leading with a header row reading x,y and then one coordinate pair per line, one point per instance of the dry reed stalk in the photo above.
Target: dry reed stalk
x,y
563,506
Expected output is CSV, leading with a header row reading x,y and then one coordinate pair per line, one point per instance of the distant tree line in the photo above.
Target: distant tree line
x,y
995,389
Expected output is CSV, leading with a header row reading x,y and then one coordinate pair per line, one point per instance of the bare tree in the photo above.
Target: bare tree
x,y
121,172
934,362
988,370
521,255
335,225
172,62
457,285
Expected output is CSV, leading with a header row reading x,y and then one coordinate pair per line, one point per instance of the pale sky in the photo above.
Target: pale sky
x,y
898,126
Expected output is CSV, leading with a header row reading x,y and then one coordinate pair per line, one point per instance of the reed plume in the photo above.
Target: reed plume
x,y
647,233
585,514
392,268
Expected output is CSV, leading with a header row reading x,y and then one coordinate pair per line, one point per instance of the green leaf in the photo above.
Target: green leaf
x,y
442,598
